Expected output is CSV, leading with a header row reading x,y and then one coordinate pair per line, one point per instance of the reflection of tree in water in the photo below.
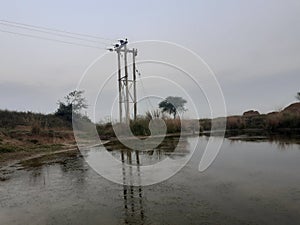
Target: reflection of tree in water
x,y
71,164
38,171
74,167
36,175
283,142
172,147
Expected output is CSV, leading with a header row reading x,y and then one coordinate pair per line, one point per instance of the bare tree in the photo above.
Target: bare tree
x,y
73,103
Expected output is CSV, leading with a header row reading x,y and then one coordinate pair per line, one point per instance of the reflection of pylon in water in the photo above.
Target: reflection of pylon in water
x,y
133,195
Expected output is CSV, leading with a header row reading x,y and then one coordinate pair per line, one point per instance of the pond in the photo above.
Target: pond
x,y
255,182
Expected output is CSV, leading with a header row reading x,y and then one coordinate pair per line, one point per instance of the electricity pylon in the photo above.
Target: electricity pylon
x,y
127,87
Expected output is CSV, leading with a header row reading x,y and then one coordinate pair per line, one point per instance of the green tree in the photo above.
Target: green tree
x,y
74,102
173,105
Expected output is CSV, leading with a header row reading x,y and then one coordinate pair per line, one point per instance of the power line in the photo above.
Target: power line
x,y
144,90
50,32
50,39
56,30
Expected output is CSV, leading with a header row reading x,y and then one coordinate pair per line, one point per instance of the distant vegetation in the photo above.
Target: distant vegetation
x,y
11,119
74,102
172,105
27,131
275,122
140,127
288,118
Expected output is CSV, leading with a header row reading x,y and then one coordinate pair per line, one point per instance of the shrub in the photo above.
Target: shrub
x,y
36,129
173,125
34,141
8,148
205,124
140,127
11,119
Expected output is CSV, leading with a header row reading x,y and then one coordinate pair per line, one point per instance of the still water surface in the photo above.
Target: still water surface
x,y
248,183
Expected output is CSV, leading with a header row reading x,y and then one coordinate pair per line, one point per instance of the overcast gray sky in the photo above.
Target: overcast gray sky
x,y
252,46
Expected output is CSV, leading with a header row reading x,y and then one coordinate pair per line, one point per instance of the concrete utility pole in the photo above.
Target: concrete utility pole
x,y
134,54
120,85
126,94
